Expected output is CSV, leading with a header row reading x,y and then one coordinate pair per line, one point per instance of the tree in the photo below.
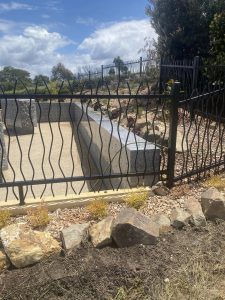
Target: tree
x,y
41,79
60,72
217,38
183,26
119,64
112,71
9,76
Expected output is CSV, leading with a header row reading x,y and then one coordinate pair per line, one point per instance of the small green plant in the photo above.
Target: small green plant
x,y
215,181
4,218
38,216
97,208
137,199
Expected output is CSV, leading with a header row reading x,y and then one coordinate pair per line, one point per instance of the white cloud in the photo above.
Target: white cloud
x,y
37,49
123,39
15,6
34,50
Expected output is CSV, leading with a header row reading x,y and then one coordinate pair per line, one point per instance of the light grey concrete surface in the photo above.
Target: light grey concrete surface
x,y
54,111
45,153
107,142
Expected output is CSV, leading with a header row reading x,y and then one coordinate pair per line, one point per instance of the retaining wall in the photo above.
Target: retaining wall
x,y
128,153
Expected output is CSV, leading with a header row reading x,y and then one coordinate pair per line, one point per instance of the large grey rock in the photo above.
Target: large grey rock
x,y
100,233
131,227
19,115
213,204
163,222
74,235
194,208
179,218
25,247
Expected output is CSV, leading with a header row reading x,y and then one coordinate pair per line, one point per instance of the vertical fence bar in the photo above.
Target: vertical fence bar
x,y
102,72
174,104
141,63
89,75
21,195
195,72
119,72
160,76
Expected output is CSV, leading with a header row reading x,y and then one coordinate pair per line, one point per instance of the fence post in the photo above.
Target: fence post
x,y
102,72
89,75
141,63
195,72
160,75
174,104
119,72
21,195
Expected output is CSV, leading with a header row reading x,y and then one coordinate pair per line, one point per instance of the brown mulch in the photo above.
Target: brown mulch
x,y
88,273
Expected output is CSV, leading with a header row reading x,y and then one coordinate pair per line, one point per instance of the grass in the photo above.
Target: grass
x,y
4,218
137,199
215,181
194,280
39,216
98,209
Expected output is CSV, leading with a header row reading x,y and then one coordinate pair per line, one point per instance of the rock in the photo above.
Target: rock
x,y
163,223
100,233
179,218
74,235
194,208
213,204
131,227
3,261
181,144
160,190
25,246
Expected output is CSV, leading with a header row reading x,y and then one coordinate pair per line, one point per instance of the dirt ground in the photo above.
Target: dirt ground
x,y
130,273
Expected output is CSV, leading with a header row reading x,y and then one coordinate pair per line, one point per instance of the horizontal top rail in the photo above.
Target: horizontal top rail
x,y
82,96
203,95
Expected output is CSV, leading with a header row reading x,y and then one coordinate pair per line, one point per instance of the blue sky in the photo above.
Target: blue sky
x,y
35,35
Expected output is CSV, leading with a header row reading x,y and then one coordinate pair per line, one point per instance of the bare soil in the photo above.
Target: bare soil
x,y
88,273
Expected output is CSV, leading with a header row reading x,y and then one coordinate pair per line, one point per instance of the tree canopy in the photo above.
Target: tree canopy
x,y
217,38
9,76
119,63
183,26
60,72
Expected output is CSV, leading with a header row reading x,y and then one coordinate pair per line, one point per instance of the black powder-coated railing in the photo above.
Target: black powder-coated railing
x,y
106,137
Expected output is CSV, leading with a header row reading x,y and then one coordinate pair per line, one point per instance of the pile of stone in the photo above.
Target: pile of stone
x,y
22,246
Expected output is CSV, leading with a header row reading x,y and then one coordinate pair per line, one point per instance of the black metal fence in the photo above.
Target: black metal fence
x,y
92,138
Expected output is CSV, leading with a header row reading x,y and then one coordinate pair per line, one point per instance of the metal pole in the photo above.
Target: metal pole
x,y
195,73
102,75
141,63
160,76
174,104
21,195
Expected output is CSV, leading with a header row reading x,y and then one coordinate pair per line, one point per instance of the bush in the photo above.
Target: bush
x,y
38,216
4,218
137,199
98,208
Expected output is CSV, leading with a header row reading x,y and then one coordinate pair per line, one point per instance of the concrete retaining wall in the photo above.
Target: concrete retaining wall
x,y
110,142
54,112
